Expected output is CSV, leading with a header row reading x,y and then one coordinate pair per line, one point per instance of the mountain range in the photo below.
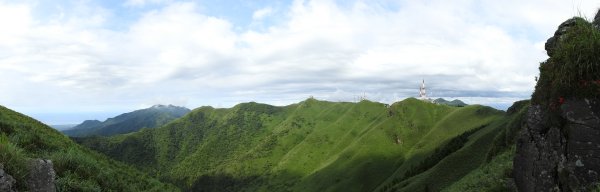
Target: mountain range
x,y
314,146
152,117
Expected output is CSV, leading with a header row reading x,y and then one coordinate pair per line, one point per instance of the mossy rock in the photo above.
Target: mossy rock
x,y
573,70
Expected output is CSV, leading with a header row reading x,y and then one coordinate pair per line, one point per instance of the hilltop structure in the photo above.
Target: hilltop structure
x,y
422,91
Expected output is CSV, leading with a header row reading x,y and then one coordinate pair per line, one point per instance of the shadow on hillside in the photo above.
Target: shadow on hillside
x,y
225,182
344,174
363,173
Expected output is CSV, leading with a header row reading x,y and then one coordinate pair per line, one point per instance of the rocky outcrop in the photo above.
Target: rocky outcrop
x,y
597,20
558,148
7,182
553,42
41,176
560,158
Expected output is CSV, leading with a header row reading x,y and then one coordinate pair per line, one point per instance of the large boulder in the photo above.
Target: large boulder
x,y
7,182
41,176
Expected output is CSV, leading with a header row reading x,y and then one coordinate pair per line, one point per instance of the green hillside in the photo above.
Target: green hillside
x,y
77,168
314,146
152,117
486,151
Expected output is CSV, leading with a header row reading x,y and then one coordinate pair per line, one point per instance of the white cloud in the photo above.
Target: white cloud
x,y
262,13
15,20
139,3
480,49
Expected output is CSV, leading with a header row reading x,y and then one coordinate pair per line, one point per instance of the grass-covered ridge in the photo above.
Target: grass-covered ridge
x,y
310,146
77,168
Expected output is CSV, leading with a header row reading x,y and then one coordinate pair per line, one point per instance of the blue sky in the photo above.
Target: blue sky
x,y
66,61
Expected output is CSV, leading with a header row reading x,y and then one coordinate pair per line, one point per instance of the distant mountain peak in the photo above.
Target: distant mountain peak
x,y
152,117
161,106
454,103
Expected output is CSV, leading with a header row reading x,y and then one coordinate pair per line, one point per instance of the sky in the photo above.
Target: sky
x,y
63,62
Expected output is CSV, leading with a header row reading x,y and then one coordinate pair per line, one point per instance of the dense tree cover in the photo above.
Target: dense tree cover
x,y
152,117
77,168
310,146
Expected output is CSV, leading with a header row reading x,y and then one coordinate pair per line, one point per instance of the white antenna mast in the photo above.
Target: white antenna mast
x,y
422,91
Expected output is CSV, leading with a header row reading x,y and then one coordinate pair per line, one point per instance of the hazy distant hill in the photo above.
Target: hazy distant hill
x,y
315,146
77,168
152,117
455,103
87,124
63,127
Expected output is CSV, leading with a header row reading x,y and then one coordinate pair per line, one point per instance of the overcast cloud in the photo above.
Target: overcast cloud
x,y
86,57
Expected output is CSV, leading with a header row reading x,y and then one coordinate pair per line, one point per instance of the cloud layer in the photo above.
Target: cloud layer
x,y
173,52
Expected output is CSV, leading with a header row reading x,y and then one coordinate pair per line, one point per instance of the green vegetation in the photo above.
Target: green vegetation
x,y
496,173
77,168
573,70
315,146
152,117
491,177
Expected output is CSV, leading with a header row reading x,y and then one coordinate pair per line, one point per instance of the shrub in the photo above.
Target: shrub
x,y
13,160
71,182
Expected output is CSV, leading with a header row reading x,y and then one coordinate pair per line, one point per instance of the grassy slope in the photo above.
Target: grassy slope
x,y
489,177
310,146
453,166
77,168
493,173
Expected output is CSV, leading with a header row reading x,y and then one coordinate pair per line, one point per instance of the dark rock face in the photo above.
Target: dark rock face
x,y
540,149
560,158
7,182
583,141
41,176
